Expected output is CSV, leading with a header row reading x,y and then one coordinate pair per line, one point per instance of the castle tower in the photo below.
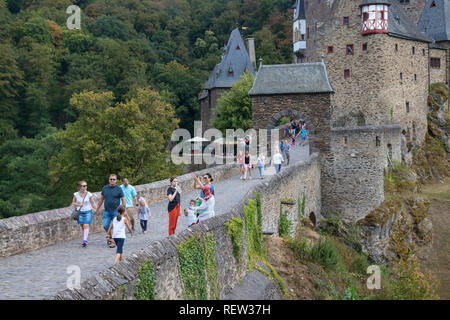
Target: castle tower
x,y
299,31
374,15
235,61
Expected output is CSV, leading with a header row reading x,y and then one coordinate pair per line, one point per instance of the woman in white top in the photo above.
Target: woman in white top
x,y
117,227
84,201
277,160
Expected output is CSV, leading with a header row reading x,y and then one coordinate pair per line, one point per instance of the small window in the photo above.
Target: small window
x,y
401,75
415,77
433,4
330,49
364,46
435,63
346,73
404,1
365,16
303,37
424,53
349,49
307,33
345,21
407,107
238,48
413,50
377,141
396,47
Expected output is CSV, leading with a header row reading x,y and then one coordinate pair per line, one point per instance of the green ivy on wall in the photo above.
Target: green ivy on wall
x,y
235,231
284,227
191,259
146,283
209,243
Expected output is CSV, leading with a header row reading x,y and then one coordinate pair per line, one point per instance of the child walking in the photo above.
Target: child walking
x,y
190,213
144,214
117,227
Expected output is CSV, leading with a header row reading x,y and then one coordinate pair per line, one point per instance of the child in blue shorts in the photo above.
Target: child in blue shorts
x,y
117,227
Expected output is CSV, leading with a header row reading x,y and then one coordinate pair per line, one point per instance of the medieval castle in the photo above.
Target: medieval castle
x,y
360,78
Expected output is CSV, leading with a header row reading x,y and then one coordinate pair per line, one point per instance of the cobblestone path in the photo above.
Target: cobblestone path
x,y
42,273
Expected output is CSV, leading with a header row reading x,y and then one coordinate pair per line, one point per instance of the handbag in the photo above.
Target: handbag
x,y
76,212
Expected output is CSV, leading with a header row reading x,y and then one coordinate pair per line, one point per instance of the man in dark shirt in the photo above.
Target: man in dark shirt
x,y
112,194
173,194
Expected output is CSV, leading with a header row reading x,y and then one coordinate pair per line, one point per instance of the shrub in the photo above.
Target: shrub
x,y
301,248
325,253
145,283
284,227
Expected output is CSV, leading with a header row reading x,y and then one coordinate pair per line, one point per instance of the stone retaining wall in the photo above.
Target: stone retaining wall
x,y
38,230
119,281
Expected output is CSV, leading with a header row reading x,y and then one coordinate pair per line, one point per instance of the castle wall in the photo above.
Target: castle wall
x,y
119,281
38,230
374,86
412,89
438,74
352,175
315,108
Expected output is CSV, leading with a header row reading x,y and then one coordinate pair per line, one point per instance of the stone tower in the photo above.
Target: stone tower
x,y
299,31
235,61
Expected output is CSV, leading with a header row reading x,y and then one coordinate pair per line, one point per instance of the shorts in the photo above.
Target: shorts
x,y
248,166
303,138
107,218
119,243
85,217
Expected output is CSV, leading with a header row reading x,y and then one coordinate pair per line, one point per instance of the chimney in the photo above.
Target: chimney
x,y
250,44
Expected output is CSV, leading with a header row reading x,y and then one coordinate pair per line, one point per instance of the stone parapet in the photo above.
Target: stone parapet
x,y
38,230
119,281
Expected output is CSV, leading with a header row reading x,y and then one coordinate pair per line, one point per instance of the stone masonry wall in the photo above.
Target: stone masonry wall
x,y
119,281
37,230
352,174
374,87
438,74
315,109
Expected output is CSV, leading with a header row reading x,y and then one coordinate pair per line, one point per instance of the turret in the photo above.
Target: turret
x,y
299,30
374,15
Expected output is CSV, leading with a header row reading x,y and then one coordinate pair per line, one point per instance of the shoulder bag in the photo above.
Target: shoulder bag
x,y
76,212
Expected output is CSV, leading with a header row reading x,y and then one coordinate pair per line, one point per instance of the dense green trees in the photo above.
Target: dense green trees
x,y
127,138
122,47
234,110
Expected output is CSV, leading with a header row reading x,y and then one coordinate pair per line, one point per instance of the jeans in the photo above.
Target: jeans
x,y
261,171
144,225
278,168
107,218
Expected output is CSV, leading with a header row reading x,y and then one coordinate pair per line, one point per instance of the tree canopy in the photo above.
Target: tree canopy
x,y
234,110
49,76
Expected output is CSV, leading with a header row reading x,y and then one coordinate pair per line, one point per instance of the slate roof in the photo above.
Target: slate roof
x,y
435,21
291,78
366,2
300,10
401,26
235,58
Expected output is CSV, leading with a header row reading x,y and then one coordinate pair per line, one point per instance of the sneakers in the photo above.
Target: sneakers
x,y
84,244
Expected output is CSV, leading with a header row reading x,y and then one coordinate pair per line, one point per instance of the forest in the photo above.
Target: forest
x,y
80,104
